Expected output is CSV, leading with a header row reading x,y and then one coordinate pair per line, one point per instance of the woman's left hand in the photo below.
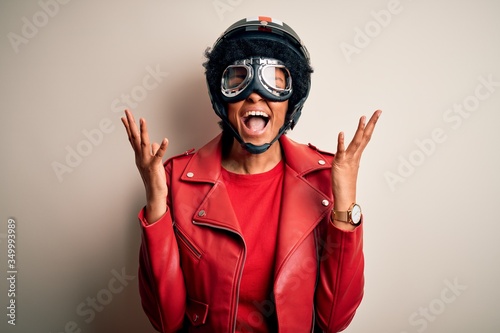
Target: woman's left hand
x,y
345,165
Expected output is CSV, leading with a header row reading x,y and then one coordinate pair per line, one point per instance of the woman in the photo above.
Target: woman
x,y
253,232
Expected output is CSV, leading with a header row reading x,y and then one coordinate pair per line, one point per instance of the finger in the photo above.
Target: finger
x,y
368,130
131,128
133,131
162,149
364,134
126,125
340,145
129,117
371,123
154,148
145,146
159,149
358,136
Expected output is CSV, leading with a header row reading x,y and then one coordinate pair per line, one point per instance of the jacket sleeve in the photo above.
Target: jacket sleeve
x,y
161,283
341,278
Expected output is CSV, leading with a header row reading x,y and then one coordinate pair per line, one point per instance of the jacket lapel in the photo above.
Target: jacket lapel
x,y
303,206
215,208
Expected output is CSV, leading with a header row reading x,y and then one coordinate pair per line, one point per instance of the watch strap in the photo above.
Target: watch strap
x,y
342,216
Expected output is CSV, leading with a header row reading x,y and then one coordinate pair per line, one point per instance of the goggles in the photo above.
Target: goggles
x,y
268,77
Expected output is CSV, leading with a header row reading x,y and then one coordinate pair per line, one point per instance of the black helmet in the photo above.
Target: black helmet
x,y
259,37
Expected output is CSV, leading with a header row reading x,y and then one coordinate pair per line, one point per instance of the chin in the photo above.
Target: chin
x,y
257,139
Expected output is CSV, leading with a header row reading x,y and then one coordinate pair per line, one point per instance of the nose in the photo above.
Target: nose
x,y
254,97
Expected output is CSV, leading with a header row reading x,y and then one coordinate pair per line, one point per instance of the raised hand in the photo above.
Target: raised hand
x,y
345,165
148,158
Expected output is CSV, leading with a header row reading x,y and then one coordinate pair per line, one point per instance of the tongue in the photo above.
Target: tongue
x,y
256,124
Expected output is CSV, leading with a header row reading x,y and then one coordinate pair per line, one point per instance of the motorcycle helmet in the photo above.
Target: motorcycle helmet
x,y
252,48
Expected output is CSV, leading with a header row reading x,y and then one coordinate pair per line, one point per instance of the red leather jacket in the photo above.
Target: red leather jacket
x,y
191,260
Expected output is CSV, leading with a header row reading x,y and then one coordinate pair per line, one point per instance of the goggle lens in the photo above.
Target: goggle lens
x,y
235,77
276,77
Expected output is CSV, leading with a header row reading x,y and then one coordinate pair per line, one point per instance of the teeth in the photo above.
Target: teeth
x,y
256,113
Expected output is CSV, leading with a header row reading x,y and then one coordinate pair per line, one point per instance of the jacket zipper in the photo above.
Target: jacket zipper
x,y
240,272
187,243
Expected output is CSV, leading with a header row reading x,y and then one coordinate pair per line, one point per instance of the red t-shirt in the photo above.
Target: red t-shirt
x,y
256,201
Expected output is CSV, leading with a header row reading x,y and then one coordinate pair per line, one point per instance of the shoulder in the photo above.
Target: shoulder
x,y
178,161
204,162
185,156
325,153
301,150
305,159
210,149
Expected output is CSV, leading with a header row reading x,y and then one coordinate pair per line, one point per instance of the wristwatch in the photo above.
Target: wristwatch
x,y
352,216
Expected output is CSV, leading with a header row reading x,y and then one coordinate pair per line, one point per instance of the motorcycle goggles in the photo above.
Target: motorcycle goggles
x,y
268,77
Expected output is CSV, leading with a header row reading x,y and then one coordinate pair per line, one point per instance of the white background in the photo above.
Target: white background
x,y
430,207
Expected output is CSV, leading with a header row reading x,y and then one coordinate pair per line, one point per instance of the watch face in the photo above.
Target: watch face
x,y
356,214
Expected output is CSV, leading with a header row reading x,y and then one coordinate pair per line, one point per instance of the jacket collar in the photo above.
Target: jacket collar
x,y
300,158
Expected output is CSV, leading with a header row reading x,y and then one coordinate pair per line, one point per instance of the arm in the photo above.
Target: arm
x,y
341,280
345,167
161,283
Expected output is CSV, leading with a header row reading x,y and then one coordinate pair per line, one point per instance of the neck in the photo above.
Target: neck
x,y
241,161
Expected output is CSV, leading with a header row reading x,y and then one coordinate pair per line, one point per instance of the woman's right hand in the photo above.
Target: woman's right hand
x,y
149,161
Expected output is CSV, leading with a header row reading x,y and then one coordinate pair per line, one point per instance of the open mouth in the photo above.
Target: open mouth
x,y
255,121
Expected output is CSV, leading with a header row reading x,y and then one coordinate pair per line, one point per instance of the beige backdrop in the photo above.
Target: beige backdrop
x,y
428,182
